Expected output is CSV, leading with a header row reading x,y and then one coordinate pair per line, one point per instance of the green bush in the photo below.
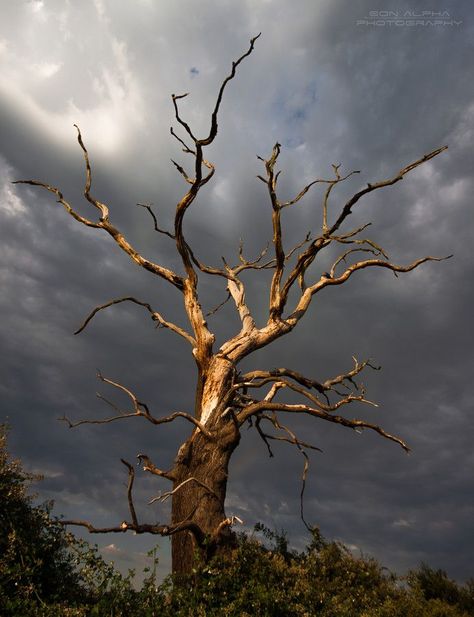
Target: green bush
x,y
47,572
327,580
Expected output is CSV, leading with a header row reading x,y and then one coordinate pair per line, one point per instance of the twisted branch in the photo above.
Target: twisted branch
x,y
164,496
155,221
148,465
358,425
154,315
139,409
104,222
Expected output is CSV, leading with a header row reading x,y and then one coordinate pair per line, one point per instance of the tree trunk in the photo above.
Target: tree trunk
x,y
201,499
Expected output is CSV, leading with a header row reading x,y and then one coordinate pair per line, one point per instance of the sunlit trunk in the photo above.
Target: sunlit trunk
x,y
202,464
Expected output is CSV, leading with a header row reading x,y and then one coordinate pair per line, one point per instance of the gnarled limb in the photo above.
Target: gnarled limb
x,y
140,409
104,222
325,281
148,465
203,337
346,210
154,315
131,478
259,378
305,258
258,407
164,496
155,221
293,440
163,530
291,437
227,522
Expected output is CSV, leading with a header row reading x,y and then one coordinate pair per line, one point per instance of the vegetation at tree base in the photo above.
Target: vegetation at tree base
x,y
47,572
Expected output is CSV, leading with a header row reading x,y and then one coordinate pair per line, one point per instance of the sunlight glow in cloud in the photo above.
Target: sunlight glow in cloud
x,y
47,69
37,6
109,115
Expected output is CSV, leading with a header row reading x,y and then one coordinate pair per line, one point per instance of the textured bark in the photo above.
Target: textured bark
x,y
208,463
201,468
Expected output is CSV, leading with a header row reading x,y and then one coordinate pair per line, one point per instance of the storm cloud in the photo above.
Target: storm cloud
x,y
334,82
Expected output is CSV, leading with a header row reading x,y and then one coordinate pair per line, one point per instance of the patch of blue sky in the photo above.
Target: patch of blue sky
x,y
292,109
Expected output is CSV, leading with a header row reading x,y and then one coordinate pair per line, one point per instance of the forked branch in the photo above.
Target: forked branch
x,y
148,207
355,424
328,235
134,525
164,496
104,222
140,409
148,465
154,315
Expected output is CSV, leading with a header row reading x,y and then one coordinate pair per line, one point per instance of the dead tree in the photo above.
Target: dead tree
x,y
225,398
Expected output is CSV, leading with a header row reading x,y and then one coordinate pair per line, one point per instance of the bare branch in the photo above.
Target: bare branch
x,y
282,372
349,376
174,98
204,338
105,224
164,496
255,264
257,379
298,246
214,310
368,263
154,315
213,131
355,424
332,184
182,172
378,185
345,399
104,211
352,233
291,439
155,221
111,303
342,258
227,522
135,526
237,291
306,258
149,466
326,280
301,194
139,409
186,148
162,530
131,478
62,201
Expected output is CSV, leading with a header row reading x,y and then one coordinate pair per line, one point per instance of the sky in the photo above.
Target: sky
x,y
369,85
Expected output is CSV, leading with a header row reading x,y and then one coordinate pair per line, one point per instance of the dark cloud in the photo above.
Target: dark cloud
x,y
372,98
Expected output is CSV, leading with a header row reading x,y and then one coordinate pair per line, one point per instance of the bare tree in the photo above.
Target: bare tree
x,y
225,398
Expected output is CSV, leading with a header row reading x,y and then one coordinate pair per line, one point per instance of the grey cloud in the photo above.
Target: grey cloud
x,y
330,92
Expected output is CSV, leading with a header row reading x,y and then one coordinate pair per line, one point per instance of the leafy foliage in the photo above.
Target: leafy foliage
x,y
35,563
325,580
47,572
